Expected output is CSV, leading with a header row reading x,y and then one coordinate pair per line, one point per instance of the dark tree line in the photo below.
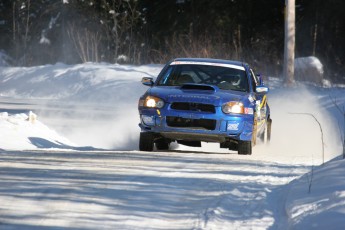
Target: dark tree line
x,y
37,32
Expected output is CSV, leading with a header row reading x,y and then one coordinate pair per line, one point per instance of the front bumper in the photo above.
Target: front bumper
x,y
197,126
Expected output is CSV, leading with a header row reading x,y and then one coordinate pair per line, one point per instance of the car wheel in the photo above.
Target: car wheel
x,y
255,126
265,137
244,147
146,141
162,144
269,128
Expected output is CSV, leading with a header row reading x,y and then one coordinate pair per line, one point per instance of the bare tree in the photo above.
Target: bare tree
x,y
289,43
120,19
86,43
21,15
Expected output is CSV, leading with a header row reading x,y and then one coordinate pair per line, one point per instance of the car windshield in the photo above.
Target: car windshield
x,y
222,76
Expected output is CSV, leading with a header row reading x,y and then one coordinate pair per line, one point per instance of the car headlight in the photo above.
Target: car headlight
x,y
153,102
233,107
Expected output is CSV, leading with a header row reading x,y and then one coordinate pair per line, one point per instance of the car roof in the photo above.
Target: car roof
x,y
212,60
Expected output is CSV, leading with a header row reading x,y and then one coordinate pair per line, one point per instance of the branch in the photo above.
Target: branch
x,y
323,147
334,100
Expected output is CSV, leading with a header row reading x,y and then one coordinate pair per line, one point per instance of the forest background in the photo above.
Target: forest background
x,y
37,32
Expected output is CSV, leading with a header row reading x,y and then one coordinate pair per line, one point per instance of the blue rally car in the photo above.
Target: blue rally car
x,y
196,100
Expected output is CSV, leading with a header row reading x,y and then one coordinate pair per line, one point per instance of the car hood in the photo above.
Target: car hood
x,y
205,94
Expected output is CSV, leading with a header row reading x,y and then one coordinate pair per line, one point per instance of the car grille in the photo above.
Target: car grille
x,y
193,107
180,122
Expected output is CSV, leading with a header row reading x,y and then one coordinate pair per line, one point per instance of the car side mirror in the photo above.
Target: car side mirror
x,y
147,81
261,89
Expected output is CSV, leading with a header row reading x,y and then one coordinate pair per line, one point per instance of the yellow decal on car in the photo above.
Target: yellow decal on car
x,y
263,103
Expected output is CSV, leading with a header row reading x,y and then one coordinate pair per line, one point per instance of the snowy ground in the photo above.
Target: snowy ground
x,y
76,164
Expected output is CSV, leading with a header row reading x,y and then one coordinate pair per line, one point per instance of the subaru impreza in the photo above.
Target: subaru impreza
x,y
196,100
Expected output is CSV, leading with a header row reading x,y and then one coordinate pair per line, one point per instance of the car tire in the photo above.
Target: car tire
x,y
146,141
265,137
244,147
162,144
269,129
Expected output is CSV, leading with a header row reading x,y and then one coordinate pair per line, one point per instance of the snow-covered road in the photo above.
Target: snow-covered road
x,y
138,190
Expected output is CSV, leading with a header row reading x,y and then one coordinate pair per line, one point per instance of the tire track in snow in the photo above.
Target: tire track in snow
x,y
128,190
247,202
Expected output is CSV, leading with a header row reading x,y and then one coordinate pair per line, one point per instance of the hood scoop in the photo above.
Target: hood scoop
x,y
198,87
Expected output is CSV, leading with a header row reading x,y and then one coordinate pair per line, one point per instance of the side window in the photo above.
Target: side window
x,y
254,77
254,80
166,76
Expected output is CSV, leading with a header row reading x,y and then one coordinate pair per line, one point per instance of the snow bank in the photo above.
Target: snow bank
x,y
24,131
83,102
90,82
309,69
324,206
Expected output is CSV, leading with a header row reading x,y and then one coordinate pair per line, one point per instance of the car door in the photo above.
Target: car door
x,y
261,102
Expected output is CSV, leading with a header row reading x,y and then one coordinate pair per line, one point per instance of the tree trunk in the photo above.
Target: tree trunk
x,y
289,43
314,39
